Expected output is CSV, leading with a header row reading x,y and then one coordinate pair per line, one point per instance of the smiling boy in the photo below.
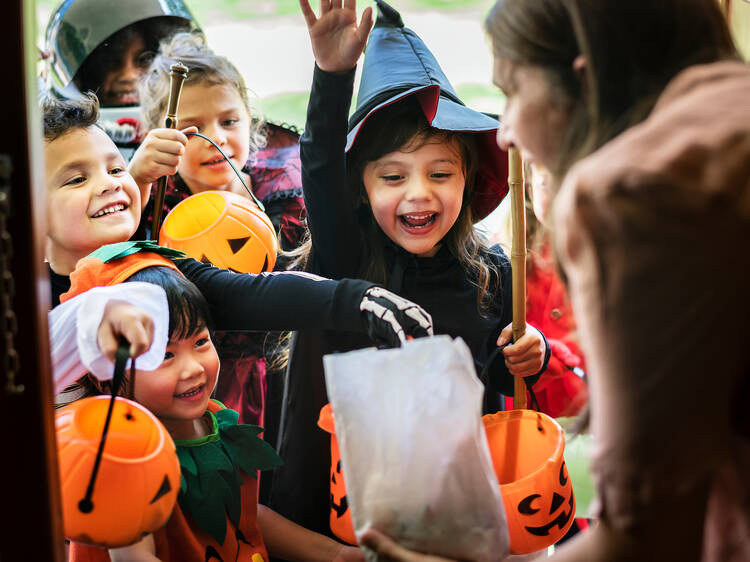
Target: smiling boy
x,y
85,176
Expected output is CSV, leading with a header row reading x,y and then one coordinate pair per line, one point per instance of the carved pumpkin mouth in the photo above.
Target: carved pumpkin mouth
x,y
560,521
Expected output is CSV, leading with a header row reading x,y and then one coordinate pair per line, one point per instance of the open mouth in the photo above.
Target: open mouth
x,y
192,392
418,220
109,209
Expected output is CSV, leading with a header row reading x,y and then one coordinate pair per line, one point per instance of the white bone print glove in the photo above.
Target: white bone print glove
x,y
390,319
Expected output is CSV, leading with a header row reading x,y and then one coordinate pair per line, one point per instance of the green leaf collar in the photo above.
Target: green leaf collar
x,y
211,465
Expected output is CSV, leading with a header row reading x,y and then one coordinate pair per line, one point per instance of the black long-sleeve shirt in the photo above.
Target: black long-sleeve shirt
x,y
299,489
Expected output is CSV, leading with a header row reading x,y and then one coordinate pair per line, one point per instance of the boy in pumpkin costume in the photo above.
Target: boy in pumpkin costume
x,y
217,516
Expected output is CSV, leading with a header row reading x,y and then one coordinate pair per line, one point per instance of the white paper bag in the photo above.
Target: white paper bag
x,y
413,449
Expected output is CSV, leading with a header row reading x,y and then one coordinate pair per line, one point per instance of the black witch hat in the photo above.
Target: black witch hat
x,y
398,64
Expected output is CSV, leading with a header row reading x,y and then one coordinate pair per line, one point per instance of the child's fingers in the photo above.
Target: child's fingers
x,y
505,335
190,129
161,147
168,135
325,7
140,336
365,24
524,368
307,12
524,345
107,341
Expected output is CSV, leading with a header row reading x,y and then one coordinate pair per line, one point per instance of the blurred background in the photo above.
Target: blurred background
x,y
267,40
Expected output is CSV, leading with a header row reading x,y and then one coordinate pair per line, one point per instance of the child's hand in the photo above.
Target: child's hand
x,y
337,41
158,155
526,356
349,554
122,319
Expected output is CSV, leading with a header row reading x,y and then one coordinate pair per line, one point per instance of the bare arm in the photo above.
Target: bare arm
x,y
287,540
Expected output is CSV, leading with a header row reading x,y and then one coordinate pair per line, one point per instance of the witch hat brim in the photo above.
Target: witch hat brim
x,y
398,64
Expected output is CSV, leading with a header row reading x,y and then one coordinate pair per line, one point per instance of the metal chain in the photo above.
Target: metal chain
x,y
8,321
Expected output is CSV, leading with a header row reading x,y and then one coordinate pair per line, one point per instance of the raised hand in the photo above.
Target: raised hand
x,y
337,41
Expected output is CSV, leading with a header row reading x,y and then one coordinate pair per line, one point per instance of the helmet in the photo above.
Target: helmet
x,y
77,27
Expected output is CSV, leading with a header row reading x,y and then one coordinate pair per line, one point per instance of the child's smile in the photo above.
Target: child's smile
x,y
111,209
179,390
416,194
192,394
92,199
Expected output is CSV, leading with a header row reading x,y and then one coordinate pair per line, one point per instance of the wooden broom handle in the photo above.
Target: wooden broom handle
x,y
178,73
518,260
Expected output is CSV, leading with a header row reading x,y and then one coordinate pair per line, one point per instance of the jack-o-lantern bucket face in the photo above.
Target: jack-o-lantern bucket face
x,y
527,454
138,479
340,518
224,229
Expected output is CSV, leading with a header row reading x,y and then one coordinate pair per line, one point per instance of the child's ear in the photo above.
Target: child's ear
x,y
580,65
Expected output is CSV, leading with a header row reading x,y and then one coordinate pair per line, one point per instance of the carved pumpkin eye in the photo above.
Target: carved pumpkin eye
x,y
224,229
138,478
526,449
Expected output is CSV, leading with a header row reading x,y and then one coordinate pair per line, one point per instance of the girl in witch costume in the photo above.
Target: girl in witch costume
x,y
393,202
217,516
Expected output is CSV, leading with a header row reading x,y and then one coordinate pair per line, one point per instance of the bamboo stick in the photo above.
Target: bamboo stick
x,y
518,260
177,75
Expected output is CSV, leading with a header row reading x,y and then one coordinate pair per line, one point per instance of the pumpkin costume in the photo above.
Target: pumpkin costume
x,y
218,477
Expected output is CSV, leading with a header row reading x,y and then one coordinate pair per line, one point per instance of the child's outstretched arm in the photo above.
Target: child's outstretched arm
x,y
158,155
286,540
292,300
337,42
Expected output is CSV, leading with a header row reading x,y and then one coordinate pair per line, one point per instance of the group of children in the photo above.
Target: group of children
x,y
375,214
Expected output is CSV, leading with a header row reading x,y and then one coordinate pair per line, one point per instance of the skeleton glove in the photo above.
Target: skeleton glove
x,y
390,319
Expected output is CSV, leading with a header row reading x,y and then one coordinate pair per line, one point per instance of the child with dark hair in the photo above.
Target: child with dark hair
x,y
178,392
394,202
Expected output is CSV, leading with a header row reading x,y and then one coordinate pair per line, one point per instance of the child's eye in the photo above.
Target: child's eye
x,y
168,355
442,175
75,181
392,177
201,342
229,122
116,170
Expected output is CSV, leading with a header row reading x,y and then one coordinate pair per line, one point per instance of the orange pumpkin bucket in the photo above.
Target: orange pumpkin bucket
x,y
138,478
340,517
527,452
222,228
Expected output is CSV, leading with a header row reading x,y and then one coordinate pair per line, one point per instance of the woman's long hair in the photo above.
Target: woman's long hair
x,y
632,50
